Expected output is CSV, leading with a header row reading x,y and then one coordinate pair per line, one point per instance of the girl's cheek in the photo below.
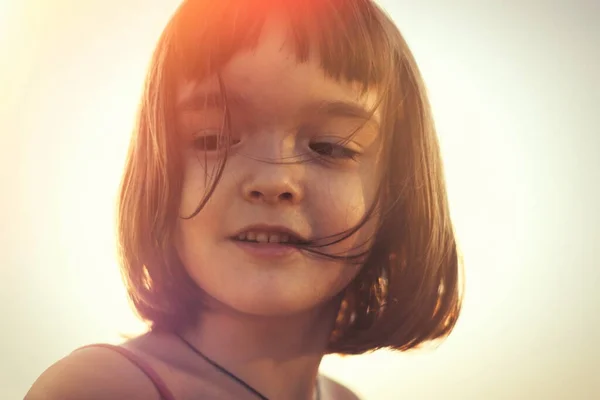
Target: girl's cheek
x,y
345,203
195,185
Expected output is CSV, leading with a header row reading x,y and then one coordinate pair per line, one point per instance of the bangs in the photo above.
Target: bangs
x,y
350,38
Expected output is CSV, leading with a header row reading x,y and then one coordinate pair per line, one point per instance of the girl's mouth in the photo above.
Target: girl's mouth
x,y
268,241
263,237
266,250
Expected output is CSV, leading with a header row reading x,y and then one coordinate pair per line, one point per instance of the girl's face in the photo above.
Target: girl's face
x,y
281,111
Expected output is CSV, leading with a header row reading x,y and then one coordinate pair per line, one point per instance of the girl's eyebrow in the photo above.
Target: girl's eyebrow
x,y
323,108
341,109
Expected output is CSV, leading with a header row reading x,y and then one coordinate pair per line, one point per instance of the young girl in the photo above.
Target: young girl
x,y
283,199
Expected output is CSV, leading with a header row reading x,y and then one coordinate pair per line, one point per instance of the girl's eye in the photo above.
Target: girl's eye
x,y
333,150
212,142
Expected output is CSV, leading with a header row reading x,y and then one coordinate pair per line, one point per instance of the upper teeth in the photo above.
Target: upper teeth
x,y
264,237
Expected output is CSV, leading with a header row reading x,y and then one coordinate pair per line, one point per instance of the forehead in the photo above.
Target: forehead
x,y
270,76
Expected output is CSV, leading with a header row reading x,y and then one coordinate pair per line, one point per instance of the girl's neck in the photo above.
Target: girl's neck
x,y
278,356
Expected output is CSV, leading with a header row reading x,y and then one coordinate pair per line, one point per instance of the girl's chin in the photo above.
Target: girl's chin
x,y
267,304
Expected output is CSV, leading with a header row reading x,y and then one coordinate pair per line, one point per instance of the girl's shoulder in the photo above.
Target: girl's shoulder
x,y
335,390
137,369
144,367
96,372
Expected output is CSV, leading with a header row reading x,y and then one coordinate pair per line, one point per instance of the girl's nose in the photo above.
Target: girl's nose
x,y
274,184
274,175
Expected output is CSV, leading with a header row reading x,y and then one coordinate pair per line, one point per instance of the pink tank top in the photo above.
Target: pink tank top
x,y
159,384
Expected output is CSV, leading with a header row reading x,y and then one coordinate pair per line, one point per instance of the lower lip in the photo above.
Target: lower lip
x,y
266,250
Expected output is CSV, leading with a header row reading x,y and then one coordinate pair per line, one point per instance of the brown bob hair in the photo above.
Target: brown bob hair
x,y
408,291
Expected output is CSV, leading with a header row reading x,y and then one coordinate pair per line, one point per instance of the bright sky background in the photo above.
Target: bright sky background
x,y
515,88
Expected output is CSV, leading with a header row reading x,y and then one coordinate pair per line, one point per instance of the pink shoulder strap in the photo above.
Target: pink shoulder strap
x,y
160,385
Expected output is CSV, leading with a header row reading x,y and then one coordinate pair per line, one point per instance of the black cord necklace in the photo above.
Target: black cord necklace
x,y
232,375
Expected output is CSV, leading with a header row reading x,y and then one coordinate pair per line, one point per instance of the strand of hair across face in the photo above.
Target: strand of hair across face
x,y
231,374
